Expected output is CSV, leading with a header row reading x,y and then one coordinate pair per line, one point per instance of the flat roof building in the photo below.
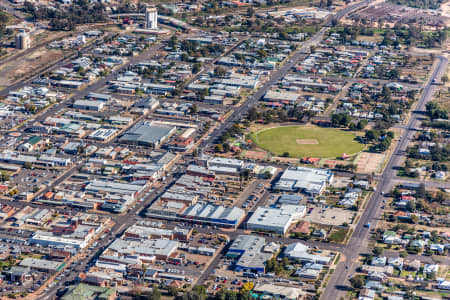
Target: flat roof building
x,y
41,264
161,249
84,291
148,134
248,250
217,215
96,186
299,252
284,96
245,242
275,219
89,105
279,292
290,199
307,180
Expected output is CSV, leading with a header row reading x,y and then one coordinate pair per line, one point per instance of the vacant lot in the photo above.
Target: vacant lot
x,y
443,97
328,142
15,69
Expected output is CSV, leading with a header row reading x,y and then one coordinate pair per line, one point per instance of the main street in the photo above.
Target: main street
x,y
358,242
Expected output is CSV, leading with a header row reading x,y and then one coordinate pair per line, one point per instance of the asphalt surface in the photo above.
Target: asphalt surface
x,y
298,55
358,242
265,87
252,100
37,73
360,237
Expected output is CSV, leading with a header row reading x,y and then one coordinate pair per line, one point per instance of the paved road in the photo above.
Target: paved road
x,y
274,78
208,66
254,98
428,184
436,184
38,72
356,80
80,94
10,9
360,237
298,55
424,259
284,240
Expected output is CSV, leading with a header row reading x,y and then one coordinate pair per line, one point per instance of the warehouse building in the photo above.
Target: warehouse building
x,y
290,199
306,180
270,291
42,265
299,252
222,165
159,249
101,186
45,238
89,105
248,251
215,215
148,134
290,98
245,242
199,213
276,219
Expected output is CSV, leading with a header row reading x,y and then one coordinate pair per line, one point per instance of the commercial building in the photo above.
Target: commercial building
x,y
299,252
159,249
307,180
291,199
79,239
215,215
103,134
199,213
158,88
99,97
54,161
252,261
199,171
147,230
42,265
270,291
16,158
221,165
245,242
248,251
109,196
101,186
18,274
148,134
290,98
84,291
276,219
94,105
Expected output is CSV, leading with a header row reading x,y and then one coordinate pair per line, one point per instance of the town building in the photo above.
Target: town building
x,y
276,219
307,180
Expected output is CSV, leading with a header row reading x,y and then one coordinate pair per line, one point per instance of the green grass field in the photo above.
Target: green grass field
x,y
307,141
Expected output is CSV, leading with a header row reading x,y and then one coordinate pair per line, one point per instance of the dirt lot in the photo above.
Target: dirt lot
x,y
446,12
369,163
392,13
341,182
443,97
330,216
255,155
14,70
